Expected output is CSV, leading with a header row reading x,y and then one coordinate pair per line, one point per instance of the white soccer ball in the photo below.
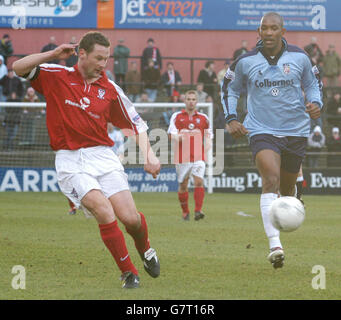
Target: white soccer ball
x,y
287,214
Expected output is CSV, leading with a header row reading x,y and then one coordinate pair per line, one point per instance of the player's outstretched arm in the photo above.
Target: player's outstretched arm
x,y
151,162
23,66
236,129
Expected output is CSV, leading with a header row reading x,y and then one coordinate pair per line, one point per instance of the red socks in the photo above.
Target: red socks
x,y
199,194
183,198
140,236
113,238
71,204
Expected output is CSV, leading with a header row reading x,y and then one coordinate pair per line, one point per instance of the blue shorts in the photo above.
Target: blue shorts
x,y
291,149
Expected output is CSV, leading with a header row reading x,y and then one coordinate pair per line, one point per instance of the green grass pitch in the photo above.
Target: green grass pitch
x,y
222,257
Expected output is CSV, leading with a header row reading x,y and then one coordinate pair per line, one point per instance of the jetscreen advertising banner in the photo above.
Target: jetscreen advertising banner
x,y
300,15
24,14
325,181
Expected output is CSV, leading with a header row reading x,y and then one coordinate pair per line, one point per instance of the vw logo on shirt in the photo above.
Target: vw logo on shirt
x,y
274,92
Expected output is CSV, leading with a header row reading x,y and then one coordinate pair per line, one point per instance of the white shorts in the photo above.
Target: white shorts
x,y
184,170
85,169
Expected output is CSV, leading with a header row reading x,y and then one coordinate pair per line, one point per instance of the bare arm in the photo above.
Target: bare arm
x,y
25,65
208,142
151,162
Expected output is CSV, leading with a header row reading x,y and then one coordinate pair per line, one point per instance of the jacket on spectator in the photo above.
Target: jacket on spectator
x,y
165,79
331,64
121,53
133,80
12,85
151,78
6,48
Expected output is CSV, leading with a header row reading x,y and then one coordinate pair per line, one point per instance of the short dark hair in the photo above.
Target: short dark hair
x,y
91,38
275,14
208,63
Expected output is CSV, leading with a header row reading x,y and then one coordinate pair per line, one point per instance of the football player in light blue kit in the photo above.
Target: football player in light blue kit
x,y
278,120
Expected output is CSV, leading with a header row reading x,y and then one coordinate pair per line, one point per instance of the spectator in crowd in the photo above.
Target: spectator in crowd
x,y
6,48
222,72
51,46
209,78
121,54
144,98
171,79
182,98
241,50
316,141
331,66
151,80
151,52
11,122
3,72
30,117
202,95
31,96
133,82
315,53
11,83
334,145
334,110
73,59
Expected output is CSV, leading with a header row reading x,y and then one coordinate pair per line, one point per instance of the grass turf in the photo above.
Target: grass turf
x,y
222,257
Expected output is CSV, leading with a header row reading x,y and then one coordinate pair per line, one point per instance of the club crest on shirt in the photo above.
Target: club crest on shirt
x,y
286,68
197,120
101,93
230,75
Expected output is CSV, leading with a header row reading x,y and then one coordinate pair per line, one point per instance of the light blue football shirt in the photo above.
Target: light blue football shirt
x,y
275,100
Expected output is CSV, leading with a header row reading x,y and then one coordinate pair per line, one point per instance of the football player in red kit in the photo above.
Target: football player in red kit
x,y
192,135
81,100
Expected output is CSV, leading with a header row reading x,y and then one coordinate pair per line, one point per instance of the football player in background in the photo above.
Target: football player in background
x,y
191,133
278,120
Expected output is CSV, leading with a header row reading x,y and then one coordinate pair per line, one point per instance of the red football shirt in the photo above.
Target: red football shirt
x,y
77,113
194,128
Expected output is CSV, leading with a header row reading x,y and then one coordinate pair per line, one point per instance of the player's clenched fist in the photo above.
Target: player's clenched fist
x,y
313,109
64,51
153,165
236,129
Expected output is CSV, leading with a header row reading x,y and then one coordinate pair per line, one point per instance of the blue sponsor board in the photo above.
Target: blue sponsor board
x,y
300,15
23,14
28,179
140,181
45,179
325,181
